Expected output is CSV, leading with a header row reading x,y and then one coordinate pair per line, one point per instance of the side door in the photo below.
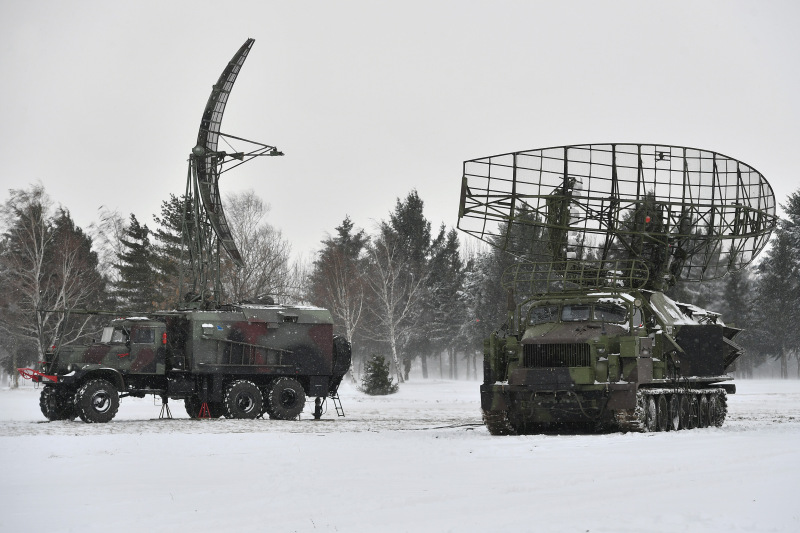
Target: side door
x,y
146,349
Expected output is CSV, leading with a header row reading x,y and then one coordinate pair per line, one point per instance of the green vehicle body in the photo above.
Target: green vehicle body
x,y
607,360
240,361
597,233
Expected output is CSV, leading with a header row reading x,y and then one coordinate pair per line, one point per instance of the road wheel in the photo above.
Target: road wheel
x,y
242,400
650,414
720,404
663,413
97,401
684,411
674,412
286,399
56,404
703,418
694,412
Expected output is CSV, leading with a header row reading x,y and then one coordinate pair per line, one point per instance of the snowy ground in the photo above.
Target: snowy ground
x,y
414,461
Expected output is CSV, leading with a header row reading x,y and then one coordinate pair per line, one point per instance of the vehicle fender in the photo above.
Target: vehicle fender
x,y
96,371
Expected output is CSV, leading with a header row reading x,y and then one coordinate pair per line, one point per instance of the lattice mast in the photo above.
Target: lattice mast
x,y
617,215
205,229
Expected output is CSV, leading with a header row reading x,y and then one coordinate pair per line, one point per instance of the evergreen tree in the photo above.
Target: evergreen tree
x,y
169,251
444,306
335,281
138,287
777,302
376,379
411,232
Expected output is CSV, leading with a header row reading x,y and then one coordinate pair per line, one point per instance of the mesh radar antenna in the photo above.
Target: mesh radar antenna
x,y
640,216
205,228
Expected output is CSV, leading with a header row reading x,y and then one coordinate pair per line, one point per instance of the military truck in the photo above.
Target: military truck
x,y
238,361
598,233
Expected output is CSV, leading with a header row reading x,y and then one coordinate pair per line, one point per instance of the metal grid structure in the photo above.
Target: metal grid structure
x,y
610,210
206,158
207,228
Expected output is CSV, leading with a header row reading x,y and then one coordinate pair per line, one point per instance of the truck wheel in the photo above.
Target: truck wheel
x,y
193,406
97,401
286,399
242,400
56,404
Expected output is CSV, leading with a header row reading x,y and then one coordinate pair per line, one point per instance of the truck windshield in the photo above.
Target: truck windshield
x,y
543,314
575,313
608,312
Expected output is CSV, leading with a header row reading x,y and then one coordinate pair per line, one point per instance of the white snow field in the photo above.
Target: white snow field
x,y
415,461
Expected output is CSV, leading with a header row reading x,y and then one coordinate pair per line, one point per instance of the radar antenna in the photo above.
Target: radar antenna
x,y
205,228
617,215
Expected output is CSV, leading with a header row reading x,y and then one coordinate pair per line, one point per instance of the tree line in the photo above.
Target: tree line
x,y
406,290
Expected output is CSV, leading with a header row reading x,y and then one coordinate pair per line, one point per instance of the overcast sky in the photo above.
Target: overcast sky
x,y
101,101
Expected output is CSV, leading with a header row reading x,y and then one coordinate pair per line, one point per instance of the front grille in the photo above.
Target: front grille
x,y
556,355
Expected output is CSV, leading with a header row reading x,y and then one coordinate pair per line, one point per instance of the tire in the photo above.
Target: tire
x,y
286,399
242,400
56,404
194,405
97,401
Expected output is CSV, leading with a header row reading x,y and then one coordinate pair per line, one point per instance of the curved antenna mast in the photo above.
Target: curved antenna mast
x,y
617,215
205,227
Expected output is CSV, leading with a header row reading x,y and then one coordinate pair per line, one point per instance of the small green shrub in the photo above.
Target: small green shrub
x,y
376,380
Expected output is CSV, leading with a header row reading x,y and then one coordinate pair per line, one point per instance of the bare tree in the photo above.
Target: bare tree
x,y
267,269
46,267
107,240
396,290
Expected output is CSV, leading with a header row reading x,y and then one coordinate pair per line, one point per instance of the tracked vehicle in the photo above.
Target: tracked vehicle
x,y
598,233
241,360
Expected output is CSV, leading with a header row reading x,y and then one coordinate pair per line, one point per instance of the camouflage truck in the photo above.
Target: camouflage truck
x,y
240,361
608,360
237,360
